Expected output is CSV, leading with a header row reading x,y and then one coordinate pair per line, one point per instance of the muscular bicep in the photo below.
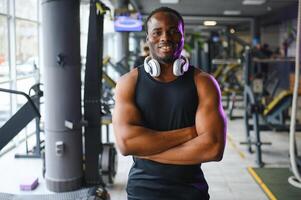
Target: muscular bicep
x,y
125,112
210,116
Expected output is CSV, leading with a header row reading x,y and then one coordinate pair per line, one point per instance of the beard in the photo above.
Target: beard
x,y
166,60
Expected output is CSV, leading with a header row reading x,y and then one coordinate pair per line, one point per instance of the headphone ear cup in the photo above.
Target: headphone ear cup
x,y
147,68
152,66
177,71
180,66
186,64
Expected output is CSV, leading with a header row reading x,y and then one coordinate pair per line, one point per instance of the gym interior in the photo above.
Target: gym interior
x,y
59,64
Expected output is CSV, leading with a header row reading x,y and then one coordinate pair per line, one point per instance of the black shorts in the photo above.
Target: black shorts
x,y
145,186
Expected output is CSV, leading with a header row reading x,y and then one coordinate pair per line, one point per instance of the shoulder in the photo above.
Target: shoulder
x,y
129,77
206,84
127,82
203,77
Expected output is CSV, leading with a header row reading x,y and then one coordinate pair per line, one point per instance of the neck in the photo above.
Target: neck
x,y
166,72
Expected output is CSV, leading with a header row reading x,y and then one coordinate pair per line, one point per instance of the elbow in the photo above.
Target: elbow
x,y
123,148
123,151
218,152
218,149
218,157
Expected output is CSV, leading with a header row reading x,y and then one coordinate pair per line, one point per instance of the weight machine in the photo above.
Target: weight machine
x,y
228,71
227,74
118,66
264,116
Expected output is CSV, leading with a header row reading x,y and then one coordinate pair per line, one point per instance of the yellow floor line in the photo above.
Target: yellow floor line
x,y
232,143
262,184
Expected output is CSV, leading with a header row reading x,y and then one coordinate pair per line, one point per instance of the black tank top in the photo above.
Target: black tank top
x,y
167,106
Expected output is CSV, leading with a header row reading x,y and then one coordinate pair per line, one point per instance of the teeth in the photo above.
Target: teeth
x,y
166,47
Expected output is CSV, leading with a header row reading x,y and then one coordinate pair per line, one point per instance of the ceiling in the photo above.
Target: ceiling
x,y
196,11
216,7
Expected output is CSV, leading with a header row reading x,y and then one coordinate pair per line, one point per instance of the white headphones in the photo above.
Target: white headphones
x,y
152,66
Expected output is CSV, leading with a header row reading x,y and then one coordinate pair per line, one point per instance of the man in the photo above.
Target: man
x,y
169,120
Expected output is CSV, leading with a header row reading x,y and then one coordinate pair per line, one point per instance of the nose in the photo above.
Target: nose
x,y
165,36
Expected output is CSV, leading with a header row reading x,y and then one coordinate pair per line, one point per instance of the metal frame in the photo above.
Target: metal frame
x,y
20,119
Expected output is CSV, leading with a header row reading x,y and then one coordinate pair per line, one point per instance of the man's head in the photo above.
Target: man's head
x,y
165,34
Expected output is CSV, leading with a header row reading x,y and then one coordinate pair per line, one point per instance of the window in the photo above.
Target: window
x,y
27,9
4,104
26,47
3,6
4,64
84,25
19,52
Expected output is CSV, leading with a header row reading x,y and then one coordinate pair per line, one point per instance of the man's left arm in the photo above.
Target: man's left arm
x,y
210,124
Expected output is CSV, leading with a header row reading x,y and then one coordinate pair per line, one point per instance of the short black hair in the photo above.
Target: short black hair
x,y
164,9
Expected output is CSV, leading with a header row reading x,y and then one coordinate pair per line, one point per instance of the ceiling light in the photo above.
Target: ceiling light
x,y
209,23
253,2
169,1
232,12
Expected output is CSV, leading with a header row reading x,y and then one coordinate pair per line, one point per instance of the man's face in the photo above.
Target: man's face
x,y
165,37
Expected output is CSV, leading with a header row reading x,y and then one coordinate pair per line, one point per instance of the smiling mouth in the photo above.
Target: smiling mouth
x,y
166,48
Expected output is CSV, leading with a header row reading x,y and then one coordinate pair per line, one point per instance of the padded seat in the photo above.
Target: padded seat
x,y
282,98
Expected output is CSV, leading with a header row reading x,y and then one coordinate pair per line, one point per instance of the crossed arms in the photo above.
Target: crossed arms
x,y
191,145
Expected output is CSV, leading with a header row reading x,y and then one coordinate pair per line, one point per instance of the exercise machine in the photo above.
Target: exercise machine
x,y
228,73
28,112
271,115
108,158
118,66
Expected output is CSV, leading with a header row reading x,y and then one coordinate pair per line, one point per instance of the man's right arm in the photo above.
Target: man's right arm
x,y
131,137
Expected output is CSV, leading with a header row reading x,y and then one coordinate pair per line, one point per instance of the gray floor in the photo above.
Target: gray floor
x,y
228,179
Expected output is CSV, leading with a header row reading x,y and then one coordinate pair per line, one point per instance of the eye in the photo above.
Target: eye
x,y
156,33
174,31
